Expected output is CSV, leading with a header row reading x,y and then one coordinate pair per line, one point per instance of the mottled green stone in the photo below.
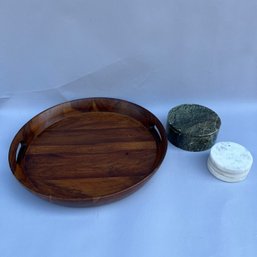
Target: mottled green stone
x,y
192,127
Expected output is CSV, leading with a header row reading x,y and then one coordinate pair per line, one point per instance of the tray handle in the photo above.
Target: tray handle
x,y
17,151
20,151
157,133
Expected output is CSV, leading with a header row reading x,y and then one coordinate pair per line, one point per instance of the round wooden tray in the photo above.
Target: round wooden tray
x,y
88,151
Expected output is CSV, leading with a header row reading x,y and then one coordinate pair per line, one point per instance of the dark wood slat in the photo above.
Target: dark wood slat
x,y
121,164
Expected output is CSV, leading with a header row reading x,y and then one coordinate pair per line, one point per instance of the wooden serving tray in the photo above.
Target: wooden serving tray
x,y
88,151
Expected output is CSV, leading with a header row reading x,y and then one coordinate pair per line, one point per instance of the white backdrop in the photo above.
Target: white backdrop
x,y
210,46
157,54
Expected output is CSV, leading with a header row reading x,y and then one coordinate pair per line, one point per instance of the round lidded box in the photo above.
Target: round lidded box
x,y
192,127
229,162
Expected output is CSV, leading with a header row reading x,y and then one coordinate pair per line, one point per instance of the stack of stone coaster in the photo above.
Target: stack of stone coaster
x,y
192,127
229,161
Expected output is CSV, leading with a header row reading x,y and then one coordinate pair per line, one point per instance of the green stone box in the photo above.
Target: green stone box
x,y
192,127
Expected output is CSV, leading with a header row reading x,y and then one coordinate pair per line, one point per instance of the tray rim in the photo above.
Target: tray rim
x,y
94,200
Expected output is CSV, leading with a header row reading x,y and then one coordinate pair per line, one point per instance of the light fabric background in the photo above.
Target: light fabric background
x,y
157,54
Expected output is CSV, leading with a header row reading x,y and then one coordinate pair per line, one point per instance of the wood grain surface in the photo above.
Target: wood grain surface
x,y
88,151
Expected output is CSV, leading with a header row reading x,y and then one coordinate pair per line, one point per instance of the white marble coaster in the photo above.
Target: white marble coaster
x,y
229,161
